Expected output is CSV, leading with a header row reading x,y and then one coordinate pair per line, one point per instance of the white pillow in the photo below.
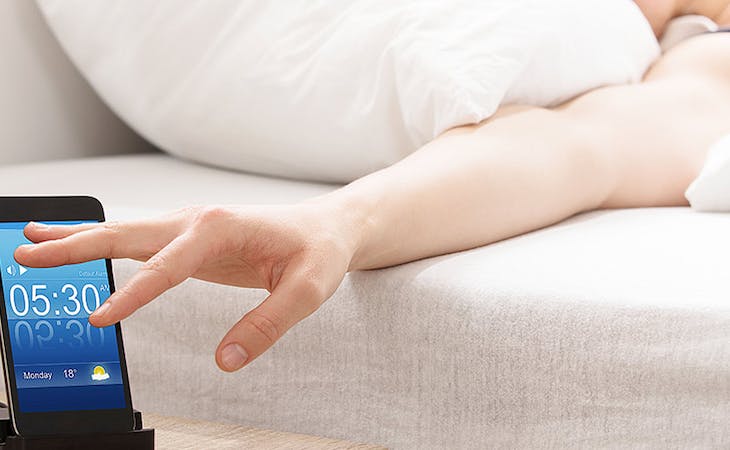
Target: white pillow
x,y
710,192
332,90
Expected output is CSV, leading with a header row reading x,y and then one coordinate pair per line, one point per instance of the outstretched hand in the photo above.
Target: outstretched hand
x,y
298,253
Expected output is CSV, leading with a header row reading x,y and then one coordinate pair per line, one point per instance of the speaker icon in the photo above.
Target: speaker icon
x,y
13,270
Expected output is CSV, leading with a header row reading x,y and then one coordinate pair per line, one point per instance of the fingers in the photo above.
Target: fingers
x,y
61,245
165,270
257,331
39,232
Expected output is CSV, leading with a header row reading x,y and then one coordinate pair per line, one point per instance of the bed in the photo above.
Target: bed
x,y
608,330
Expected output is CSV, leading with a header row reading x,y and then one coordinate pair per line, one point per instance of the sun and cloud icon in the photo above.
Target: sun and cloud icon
x,y
99,374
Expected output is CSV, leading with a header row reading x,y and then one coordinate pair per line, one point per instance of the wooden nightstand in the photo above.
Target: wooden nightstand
x,y
181,434
173,433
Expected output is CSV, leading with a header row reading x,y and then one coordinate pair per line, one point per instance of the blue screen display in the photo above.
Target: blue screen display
x,y
62,362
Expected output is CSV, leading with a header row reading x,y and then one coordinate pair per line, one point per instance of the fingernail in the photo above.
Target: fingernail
x,y
39,226
101,310
233,356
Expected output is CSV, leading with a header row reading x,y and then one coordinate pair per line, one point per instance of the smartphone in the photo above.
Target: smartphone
x,y
63,375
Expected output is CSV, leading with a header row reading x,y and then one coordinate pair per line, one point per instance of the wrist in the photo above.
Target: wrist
x,y
353,211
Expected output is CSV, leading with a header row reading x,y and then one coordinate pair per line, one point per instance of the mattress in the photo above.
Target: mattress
x,y
610,329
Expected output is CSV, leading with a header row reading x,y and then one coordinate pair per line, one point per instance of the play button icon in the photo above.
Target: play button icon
x,y
12,270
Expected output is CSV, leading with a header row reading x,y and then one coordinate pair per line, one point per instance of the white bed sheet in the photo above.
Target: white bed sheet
x,y
609,330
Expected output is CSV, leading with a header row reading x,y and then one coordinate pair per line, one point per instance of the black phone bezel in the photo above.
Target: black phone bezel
x,y
77,208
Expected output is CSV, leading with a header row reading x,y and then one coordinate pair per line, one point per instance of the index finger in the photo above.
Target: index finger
x,y
165,270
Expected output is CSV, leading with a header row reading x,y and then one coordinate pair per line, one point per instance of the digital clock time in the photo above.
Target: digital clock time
x,y
35,299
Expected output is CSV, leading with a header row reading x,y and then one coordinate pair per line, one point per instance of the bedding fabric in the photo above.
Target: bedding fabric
x,y
608,330
333,90
711,190
685,27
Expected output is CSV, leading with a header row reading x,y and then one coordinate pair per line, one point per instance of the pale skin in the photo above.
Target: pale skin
x,y
523,169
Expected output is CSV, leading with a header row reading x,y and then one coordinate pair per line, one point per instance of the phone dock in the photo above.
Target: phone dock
x,y
139,439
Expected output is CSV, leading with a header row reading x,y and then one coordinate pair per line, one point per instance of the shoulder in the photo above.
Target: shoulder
x,y
706,55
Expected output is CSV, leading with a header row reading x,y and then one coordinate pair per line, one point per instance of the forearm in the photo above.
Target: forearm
x,y
474,186
527,168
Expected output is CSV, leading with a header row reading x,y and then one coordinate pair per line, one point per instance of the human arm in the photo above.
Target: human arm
x,y
521,170
526,168
660,12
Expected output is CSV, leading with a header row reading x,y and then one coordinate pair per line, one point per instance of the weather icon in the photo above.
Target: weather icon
x,y
99,374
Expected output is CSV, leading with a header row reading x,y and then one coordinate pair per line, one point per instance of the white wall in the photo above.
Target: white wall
x,y
47,110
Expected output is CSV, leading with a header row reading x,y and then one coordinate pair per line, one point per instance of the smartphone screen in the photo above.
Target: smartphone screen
x,y
60,361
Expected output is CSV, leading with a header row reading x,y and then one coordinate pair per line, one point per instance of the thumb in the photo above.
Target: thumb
x,y
289,303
